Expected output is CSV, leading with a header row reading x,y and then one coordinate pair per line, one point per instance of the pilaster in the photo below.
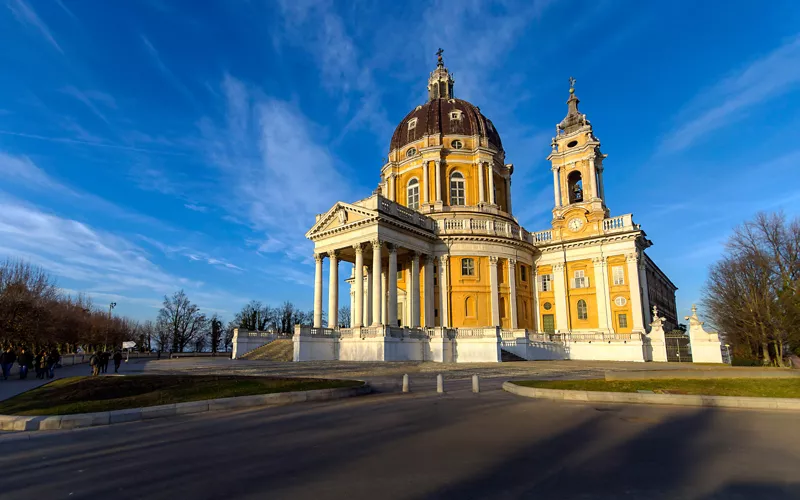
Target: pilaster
x,y
493,282
333,291
560,292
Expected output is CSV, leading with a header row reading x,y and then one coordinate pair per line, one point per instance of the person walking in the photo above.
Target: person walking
x,y
105,357
25,360
41,364
7,359
117,361
52,360
94,362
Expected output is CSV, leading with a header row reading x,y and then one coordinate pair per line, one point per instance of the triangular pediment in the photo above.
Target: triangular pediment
x,y
341,215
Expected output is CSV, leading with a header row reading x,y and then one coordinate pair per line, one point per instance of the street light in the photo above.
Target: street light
x,y
108,327
728,348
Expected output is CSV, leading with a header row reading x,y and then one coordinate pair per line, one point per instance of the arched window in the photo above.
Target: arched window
x,y
457,196
583,313
412,194
469,307
575,186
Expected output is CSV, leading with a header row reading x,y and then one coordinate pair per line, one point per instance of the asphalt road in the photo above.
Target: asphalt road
x,y
419,445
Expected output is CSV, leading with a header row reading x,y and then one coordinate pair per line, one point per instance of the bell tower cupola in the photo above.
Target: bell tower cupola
x,y
577,166
440,83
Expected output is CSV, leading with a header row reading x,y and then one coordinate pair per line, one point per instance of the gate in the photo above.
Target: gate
x,y
678,347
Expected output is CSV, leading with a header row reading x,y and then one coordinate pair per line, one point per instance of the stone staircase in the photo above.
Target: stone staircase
x,y
507,356
277,350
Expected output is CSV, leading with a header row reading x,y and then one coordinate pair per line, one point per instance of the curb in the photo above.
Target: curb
x,y
660,399
81,420
701,374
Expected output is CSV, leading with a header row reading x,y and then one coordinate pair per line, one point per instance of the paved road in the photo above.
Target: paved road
x,y
420,445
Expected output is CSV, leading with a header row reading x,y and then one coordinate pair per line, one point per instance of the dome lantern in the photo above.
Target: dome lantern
x,y
440,83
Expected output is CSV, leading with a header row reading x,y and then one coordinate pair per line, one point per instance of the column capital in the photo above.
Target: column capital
x,y
493,260
632,257
558,266
599,261
333,254
416,254
430,259
391,248
512,262
443,259
376,242
318,257
358,248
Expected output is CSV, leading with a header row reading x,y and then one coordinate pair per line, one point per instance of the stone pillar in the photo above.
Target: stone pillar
x,y
636,293
429,302
392,285
415,320
357,314
601,293
492,200
535,283
367,297
384,307
512,284
444,290
556,189
508,194
392,193
438,166
593,177
560,292
333,291
425,184
377,304
645,292
494,291
600,186
318,290
481,187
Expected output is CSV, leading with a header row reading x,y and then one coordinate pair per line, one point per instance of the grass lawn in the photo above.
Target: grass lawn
x,y
765,387
92,394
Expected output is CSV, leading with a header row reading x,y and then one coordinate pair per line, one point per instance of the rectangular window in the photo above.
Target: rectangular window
x,y
435,275
467,267
546,282
581,281
399,272
523,273
619,275
623,320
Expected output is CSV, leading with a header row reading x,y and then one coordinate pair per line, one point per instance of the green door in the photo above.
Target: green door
x,y
548,323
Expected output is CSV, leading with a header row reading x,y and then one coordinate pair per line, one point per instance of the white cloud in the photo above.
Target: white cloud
x,y
728,101
26,15
195,208
168,74
90,97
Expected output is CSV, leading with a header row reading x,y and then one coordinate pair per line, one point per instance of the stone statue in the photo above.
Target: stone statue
x,y
577,192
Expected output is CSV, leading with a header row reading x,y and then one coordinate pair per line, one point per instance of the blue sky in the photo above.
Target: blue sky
x,y
155,145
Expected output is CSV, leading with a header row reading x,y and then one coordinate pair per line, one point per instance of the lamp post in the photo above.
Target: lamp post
x,y
728,350
110,307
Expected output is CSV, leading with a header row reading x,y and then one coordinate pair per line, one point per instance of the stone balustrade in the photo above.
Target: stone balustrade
x,y
492,227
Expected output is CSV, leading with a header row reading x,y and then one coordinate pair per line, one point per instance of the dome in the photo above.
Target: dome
x,y
443,116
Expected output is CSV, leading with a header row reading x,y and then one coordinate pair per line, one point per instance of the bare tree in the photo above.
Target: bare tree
x,y
181,320
215,335
344,317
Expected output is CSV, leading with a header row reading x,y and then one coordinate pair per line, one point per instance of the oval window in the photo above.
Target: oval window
x,y
457,144
548,306
620,301
411,152
572,144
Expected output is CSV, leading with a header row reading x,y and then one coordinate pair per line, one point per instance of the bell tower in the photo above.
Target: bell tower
x,y
577,165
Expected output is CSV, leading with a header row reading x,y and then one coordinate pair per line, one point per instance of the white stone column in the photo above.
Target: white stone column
x,y
415,319
333,291
438,166
508,194
494,291
392,194
645,293
556,189
560,292
444,291
318,290
481,187
425,184
429,299
593,178
392,285
601,293
367,297
636,293
492,199
357,314
537,327
512,284
384,301
377,304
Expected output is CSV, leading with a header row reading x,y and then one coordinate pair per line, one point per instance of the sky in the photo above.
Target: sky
x,y
158,145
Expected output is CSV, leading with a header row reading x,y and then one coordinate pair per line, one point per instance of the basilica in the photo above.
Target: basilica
x,y
443,271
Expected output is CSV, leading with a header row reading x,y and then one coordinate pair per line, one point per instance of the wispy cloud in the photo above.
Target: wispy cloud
x,y
93,142
729,100
189,253
168,74
195,208
66,10
25,14
89,97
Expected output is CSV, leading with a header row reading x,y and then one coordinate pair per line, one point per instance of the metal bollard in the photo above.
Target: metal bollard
x,y
439,384
405,383
476,384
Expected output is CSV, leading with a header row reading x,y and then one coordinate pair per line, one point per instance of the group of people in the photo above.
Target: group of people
x,y
99,362
44,362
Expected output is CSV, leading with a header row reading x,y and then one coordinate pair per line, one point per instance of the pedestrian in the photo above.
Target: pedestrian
x,y
25,360
105,357
7,359
41,364
117,361
94,362
52,360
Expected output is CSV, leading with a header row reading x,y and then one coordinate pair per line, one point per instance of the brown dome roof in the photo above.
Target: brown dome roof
x,y
433,117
